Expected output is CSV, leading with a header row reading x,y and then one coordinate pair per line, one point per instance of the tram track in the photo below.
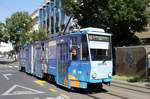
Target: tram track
x,y
108,93
124,83
122,92
125,91
116,95
133,88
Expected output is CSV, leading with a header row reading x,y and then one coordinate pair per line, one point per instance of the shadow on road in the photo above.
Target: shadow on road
x,y
79,90
87,92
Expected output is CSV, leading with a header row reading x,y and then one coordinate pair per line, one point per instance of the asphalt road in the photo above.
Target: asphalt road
x,y
18,85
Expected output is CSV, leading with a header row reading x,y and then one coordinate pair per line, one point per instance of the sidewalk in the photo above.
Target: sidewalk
x,y
136,84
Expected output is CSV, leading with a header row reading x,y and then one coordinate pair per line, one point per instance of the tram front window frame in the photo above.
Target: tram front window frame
x,y
98,53
84,48
79,47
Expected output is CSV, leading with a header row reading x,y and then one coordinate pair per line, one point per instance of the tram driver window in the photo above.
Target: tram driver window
x,y
74,54
100,54
74,48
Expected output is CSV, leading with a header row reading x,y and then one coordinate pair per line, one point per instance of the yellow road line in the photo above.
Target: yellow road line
x,y
65,96
40,82
52,90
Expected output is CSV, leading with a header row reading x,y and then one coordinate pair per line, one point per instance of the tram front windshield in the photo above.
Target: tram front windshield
x,y
99,46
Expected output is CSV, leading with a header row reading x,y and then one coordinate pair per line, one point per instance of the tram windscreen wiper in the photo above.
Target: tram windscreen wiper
x,y
104,60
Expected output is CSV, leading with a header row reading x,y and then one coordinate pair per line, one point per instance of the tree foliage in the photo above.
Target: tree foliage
x,y
18,27
1,31
122,18
71,6
38,35
4,37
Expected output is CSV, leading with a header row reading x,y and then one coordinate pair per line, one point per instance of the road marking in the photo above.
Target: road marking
x,y
6,76
65,96
10,66
58,97
40,82
23,90
16,66
52,90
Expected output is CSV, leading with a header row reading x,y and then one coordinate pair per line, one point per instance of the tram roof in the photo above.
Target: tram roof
x,y
91,30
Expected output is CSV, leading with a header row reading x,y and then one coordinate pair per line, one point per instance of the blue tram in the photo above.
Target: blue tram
x,y
75,60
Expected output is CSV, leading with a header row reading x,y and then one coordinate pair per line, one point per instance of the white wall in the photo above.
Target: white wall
x,y
5,47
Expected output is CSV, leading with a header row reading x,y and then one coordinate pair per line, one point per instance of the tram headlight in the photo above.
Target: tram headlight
x,y
94,75
109,74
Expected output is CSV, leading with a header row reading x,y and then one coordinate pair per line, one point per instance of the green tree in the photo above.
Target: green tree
x,y
18,27
71,6
122,18
38,35
1,31
4,37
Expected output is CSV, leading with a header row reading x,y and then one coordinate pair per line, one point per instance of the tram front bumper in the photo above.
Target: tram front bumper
x,y
104,80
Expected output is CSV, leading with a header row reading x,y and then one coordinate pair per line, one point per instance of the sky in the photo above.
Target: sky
x,y
7,7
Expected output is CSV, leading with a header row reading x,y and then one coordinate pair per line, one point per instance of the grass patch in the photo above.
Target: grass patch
x,y
131,78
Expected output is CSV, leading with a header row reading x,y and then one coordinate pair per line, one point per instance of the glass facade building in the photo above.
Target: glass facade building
x,y
52,17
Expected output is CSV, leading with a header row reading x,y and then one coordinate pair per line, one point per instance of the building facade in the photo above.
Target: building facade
x,y
35,18
52,18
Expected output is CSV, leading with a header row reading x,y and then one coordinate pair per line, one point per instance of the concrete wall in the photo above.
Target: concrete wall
x,y
131,61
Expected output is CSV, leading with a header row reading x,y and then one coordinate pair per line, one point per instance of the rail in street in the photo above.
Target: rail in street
x,y
130,87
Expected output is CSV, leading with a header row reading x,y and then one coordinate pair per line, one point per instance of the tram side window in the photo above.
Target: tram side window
x,y
85,53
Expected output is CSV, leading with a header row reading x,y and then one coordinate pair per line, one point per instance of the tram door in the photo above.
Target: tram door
x,y
38,66
62,61
27,60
